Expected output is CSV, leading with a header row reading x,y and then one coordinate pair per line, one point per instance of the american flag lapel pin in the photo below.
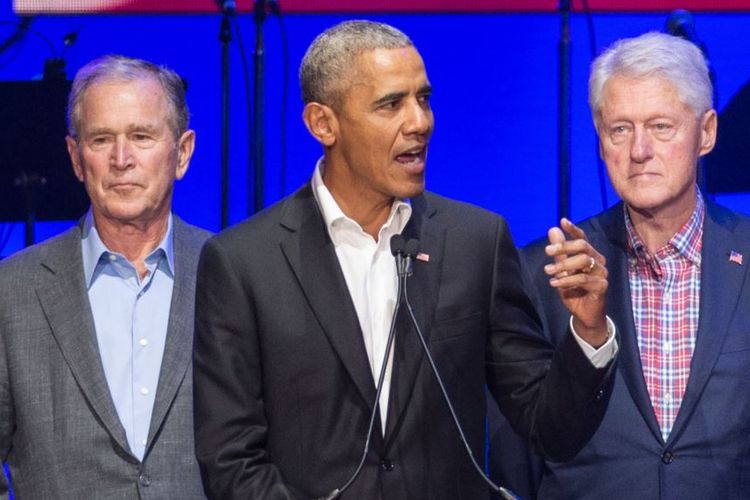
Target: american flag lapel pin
x,y
425,257
735,257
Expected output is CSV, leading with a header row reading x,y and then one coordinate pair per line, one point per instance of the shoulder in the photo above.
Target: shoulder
x,y
724,217
262,230
188,234
600,230
458,214
64,247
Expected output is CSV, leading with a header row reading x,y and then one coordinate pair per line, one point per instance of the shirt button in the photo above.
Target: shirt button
x,y
667,457
143,342
144,479
668,398
112,257
667,346
144,442
144,391
386,465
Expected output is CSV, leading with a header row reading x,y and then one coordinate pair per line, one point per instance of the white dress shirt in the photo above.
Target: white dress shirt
x,y
370,273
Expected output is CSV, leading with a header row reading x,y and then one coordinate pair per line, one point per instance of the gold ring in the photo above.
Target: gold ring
x,y
592,263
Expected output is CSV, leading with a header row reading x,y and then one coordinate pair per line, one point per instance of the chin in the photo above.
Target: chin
x,y
410,193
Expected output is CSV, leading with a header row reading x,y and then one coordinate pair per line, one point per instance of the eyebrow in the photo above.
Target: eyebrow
x,y
394,96
130,129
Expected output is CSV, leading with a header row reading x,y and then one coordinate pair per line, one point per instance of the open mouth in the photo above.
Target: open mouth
x,y
412,157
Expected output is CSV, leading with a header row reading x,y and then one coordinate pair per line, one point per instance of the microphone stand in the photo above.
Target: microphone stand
x,y
228,9
402,267
256,177
563,123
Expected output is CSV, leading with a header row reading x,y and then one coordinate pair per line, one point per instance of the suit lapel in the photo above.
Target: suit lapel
x,y
620,309
422,289
312,257
178,345
721,284
64,299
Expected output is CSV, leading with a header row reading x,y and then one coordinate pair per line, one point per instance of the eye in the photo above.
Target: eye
x,y
661,126
99,141
424,99
392,104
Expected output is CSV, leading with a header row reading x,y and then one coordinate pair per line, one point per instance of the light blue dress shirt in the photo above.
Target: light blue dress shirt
x,y
131,317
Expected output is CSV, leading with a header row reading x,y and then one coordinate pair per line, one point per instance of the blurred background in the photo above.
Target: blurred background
x,y
500,71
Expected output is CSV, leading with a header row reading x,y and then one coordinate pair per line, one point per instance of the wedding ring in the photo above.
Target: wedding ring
x,y
591,265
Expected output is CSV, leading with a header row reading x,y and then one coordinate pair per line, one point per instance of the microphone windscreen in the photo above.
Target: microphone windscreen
x,y
412,247
397,244
680,23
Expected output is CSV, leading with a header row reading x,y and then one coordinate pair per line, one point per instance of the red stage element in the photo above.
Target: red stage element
x,y
27,7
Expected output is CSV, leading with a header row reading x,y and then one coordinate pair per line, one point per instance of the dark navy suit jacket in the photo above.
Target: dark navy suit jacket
x,y
707,455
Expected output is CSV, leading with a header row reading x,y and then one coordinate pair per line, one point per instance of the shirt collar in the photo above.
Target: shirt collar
x,y
687,242
93,248
332,213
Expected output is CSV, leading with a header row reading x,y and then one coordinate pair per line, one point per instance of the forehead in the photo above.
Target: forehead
x,y
110,95
626,94
389,67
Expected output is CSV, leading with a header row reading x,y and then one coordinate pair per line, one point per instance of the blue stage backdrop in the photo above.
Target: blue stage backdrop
x,y
495,100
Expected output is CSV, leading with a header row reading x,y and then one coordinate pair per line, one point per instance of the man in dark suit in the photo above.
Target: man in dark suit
x,y
677,425
294,306
96,324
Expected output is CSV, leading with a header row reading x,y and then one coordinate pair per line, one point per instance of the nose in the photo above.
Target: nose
x,y
121,155
641,149
418,120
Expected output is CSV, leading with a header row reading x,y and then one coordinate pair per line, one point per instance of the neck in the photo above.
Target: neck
x,y
656,228
368,209
133,240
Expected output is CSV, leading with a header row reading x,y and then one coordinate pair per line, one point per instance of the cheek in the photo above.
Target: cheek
x,y
617,159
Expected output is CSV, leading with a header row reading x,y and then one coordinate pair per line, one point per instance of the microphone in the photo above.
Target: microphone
x,y
228,7
398,247
681,23
410,250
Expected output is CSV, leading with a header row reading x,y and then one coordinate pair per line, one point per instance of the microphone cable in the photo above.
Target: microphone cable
x,y
505,493
397,249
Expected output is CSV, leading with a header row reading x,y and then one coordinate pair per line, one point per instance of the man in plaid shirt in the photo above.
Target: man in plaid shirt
x,y
678,422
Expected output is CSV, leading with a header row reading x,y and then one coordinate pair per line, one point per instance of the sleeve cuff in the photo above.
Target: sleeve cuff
x,y
603,355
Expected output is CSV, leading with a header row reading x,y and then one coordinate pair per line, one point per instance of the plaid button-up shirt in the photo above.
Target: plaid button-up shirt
x,y
665,293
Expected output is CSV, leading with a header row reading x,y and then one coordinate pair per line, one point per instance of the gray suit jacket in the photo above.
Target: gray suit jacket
x,y
60,435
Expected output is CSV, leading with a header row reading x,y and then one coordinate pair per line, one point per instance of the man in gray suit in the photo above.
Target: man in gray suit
x,y
96,324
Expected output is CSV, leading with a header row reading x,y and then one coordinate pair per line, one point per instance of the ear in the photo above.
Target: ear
x,y
321,122
75,158
185,148
709,127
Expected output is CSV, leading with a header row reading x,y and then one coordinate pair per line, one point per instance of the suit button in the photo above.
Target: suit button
x,y
144,479
667,457
386,465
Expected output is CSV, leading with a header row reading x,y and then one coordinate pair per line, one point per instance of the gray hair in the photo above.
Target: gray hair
x,y
121,68
332,54
655,54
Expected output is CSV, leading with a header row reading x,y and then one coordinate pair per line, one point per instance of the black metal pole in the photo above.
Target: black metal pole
x,y
258,109
564,122
225,36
